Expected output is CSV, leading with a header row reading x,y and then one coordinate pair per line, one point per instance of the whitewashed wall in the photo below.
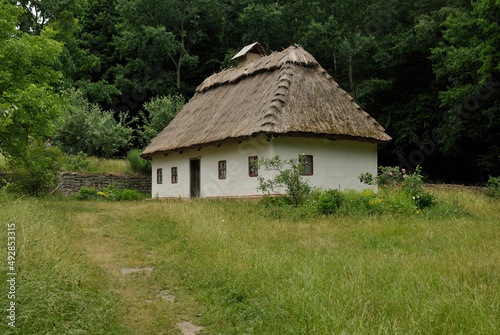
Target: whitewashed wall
x,y
336,164
237,182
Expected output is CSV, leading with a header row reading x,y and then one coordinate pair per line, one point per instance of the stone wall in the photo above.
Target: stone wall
x,y
71,182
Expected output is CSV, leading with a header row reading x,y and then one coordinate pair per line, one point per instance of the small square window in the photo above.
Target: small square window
x,y
174,175
222,169
159,176
253,170
306,162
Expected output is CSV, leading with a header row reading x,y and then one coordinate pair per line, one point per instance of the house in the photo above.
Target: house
x,y
282,104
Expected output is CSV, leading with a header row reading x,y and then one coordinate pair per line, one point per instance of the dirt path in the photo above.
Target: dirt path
x,y
146,307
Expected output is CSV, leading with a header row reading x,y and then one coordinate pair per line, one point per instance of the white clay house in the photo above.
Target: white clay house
x,y
283,104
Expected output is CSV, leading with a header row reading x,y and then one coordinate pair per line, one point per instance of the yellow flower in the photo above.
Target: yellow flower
x,y
101,193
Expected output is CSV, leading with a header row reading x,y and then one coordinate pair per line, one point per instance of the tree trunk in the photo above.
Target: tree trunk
x,y
351,79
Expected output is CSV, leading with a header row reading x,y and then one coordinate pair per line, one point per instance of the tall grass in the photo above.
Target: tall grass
x,y
101,165
57,290
237,270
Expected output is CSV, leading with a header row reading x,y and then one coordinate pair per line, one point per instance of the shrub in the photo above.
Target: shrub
x,y
136,163
329,202
88,128
129,195
78,162
424,200
87,194
296,187
393,181
35,172
400,202
493,187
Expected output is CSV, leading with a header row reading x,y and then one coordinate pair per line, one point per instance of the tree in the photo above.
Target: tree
x,y
157,115
467,65
87,128
28,100
156,36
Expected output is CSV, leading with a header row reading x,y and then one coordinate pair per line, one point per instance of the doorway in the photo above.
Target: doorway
x,y
194,170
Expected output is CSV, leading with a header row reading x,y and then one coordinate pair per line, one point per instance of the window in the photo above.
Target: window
x,y
307,164
222,169
159,176
253,170
174,175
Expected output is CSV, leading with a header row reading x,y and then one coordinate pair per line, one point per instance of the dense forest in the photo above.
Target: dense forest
x,y
428,71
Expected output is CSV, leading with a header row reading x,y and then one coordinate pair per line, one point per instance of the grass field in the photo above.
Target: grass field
x,y
234,269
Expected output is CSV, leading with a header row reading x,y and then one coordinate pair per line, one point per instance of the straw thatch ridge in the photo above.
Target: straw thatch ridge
x,y
284,94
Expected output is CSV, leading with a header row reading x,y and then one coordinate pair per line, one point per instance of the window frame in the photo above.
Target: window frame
x,y
220,170
159,176
254,164
172,175
312,165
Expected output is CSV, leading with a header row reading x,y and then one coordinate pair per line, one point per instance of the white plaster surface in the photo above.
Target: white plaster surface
x,y
337,164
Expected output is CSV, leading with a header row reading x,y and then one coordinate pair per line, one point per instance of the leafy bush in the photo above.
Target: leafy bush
x,y
86,193
296,187
87,128
493,187
392,181
400,202
78,162
137,164
329,202
424,200
129,195
35,172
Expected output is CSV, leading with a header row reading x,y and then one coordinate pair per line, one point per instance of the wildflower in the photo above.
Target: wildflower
x,y
404,171
390,174
399,185
303,154
404,176
101,193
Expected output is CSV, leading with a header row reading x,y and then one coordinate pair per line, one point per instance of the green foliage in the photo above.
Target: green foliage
x,y
329,202
153,36
136,163
424,200
427,71
36,172
86,128
157,115
78,162
493,187
87,193
29,104
466,62
289,179
393,180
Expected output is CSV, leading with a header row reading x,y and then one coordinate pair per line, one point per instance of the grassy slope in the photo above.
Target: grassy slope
x,y
243,272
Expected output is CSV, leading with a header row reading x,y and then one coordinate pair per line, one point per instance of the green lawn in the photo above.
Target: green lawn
x,y
234,269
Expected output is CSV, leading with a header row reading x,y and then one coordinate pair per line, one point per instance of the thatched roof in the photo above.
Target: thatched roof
x,y
284,94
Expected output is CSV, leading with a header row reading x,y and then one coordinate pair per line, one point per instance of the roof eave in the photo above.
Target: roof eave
x,y
331,137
